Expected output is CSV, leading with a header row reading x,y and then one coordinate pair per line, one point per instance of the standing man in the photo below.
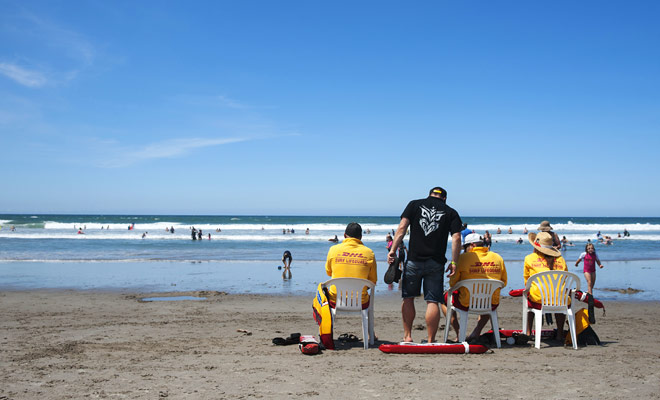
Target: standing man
x,y
431,221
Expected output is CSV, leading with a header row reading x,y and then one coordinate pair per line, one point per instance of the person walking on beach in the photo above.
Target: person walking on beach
x,y
431,221
590,259
286,260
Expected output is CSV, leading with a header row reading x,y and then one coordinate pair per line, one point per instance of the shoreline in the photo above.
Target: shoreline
x,y
264,277
61,344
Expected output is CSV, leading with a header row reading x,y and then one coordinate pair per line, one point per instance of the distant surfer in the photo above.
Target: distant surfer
x,y
334,240
172,229
286,260
194,233
80,231
199,235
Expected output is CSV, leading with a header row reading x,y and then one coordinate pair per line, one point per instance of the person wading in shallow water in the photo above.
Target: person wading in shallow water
x,y
286,260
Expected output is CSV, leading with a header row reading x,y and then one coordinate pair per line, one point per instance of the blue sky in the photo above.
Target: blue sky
x,y
330,108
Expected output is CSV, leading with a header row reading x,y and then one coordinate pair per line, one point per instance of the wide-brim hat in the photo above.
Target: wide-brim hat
x,y
544,226
543,243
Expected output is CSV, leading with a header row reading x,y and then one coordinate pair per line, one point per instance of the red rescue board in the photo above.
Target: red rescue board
x,y
433,348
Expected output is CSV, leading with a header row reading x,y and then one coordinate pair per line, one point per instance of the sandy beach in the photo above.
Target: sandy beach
x,y
80,344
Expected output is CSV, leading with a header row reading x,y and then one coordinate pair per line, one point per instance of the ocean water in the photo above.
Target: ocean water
x,y
244,251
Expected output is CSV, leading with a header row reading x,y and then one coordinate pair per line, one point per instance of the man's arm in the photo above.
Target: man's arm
x,y
455,253
398,238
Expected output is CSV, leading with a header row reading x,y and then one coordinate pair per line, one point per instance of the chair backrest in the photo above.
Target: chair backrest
x,y
555,287
349,292
481,292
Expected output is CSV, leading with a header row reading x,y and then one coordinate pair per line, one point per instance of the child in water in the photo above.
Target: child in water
x,y
590,259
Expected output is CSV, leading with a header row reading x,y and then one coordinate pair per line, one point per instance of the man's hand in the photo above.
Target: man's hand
x,y
391,256
451,267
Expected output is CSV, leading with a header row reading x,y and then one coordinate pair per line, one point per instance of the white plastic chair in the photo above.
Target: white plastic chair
x,y
556,289
481,296
349,299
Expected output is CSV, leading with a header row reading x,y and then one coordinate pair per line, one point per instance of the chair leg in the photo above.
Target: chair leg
x,y
462,327
571,328
524,316
365,328
496,328
370,314
538,325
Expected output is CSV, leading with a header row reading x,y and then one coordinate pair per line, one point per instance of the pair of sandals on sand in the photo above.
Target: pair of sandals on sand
x,y
293,338
348,337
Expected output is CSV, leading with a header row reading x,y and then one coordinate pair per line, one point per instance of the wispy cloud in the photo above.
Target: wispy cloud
x,y
22,75
172,148
53,54
231,103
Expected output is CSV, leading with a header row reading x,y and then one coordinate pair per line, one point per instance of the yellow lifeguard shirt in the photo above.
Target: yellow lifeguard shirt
x,y
535,263
351,259
479,263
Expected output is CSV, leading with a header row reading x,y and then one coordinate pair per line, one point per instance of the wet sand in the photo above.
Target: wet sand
x,y
81,344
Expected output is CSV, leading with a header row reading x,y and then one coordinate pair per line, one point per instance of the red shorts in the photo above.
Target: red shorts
x,y
532,304
457,304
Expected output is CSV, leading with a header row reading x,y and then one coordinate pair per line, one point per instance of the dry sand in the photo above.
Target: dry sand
x,y
76,344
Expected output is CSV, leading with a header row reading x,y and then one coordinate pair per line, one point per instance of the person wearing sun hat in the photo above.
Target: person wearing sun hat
x,y
544,258
544,226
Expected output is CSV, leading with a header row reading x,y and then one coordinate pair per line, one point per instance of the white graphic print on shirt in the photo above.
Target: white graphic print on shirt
x,y
429,220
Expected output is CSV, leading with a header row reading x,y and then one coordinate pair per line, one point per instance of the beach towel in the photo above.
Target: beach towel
x,y
323,317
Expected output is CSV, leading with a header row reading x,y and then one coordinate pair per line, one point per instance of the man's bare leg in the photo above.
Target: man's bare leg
x,y
432,320
408,314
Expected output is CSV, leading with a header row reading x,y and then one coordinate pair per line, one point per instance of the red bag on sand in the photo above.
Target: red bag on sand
x,y
309,345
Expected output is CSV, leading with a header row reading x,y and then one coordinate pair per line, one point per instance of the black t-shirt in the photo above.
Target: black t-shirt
x,y
431,222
